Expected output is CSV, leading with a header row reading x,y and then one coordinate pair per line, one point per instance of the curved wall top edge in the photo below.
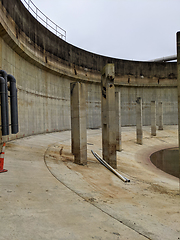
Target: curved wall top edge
x,y
52,49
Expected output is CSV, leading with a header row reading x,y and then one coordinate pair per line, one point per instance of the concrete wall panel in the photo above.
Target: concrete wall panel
x,y
44,65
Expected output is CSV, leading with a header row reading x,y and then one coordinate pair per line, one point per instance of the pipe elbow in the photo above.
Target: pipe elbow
x,y
11,78
3,73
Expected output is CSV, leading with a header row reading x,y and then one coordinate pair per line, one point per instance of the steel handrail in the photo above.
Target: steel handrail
x,y
47,22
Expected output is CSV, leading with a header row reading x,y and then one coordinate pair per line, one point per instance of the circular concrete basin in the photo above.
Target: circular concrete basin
x,y
167,160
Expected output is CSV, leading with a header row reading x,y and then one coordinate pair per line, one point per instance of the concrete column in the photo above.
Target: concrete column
x,y
108,115
160,115
118,121
153,118
78,122
178,80
139,131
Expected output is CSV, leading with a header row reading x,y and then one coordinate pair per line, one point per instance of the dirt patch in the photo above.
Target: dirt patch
x,y
162,190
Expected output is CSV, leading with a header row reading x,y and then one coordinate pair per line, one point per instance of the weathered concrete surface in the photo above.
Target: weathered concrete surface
x,y
78,122
153,118
118,121
139,124
160,116
88,202
44,65
108,115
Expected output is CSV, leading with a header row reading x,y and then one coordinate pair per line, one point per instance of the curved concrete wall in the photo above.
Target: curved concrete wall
x,y
44,65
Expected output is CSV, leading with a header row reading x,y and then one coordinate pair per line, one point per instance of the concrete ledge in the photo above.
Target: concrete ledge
x,y
44,65
38,45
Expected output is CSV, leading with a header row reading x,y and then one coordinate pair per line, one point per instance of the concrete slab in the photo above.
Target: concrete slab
x,y
44,195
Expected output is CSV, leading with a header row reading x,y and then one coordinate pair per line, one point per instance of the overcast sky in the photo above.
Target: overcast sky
x,y
125,29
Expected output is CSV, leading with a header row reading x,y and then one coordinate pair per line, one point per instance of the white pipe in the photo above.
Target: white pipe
x,y
109,167
164,59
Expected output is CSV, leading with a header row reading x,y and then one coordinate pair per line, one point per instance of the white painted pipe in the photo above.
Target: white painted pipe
x,y
109,167
165,59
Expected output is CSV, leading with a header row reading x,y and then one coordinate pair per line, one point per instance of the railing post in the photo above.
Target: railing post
x,y
36,13
28,4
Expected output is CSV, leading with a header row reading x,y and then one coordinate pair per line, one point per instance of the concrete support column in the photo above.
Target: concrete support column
x,y
108,115
78,122
160,115
153,118
178,73
139,131
118,121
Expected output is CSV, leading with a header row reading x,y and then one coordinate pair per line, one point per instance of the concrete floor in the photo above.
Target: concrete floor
x,y
44,195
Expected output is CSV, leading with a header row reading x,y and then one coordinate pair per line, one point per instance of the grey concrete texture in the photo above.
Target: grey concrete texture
x,y
139,124
153,118
108,115
160,116
44,65
44,195
118,121
50,49
78,122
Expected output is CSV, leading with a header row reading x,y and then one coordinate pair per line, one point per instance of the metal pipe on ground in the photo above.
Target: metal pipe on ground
x,y
104,163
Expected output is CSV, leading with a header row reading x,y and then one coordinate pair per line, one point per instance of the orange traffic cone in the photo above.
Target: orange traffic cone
x,y
2,159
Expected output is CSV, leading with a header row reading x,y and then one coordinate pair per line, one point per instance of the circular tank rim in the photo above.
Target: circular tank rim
x,y
145,154
168,148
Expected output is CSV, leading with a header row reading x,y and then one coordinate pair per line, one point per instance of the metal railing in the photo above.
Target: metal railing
x,y
44,20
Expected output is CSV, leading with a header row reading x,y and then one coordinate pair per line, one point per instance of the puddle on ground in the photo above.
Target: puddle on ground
x,y
167,160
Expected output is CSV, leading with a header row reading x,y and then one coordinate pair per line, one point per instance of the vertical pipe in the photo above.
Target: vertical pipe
x,y
72,86
4,75
13,101
139,131
153,118
3,107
